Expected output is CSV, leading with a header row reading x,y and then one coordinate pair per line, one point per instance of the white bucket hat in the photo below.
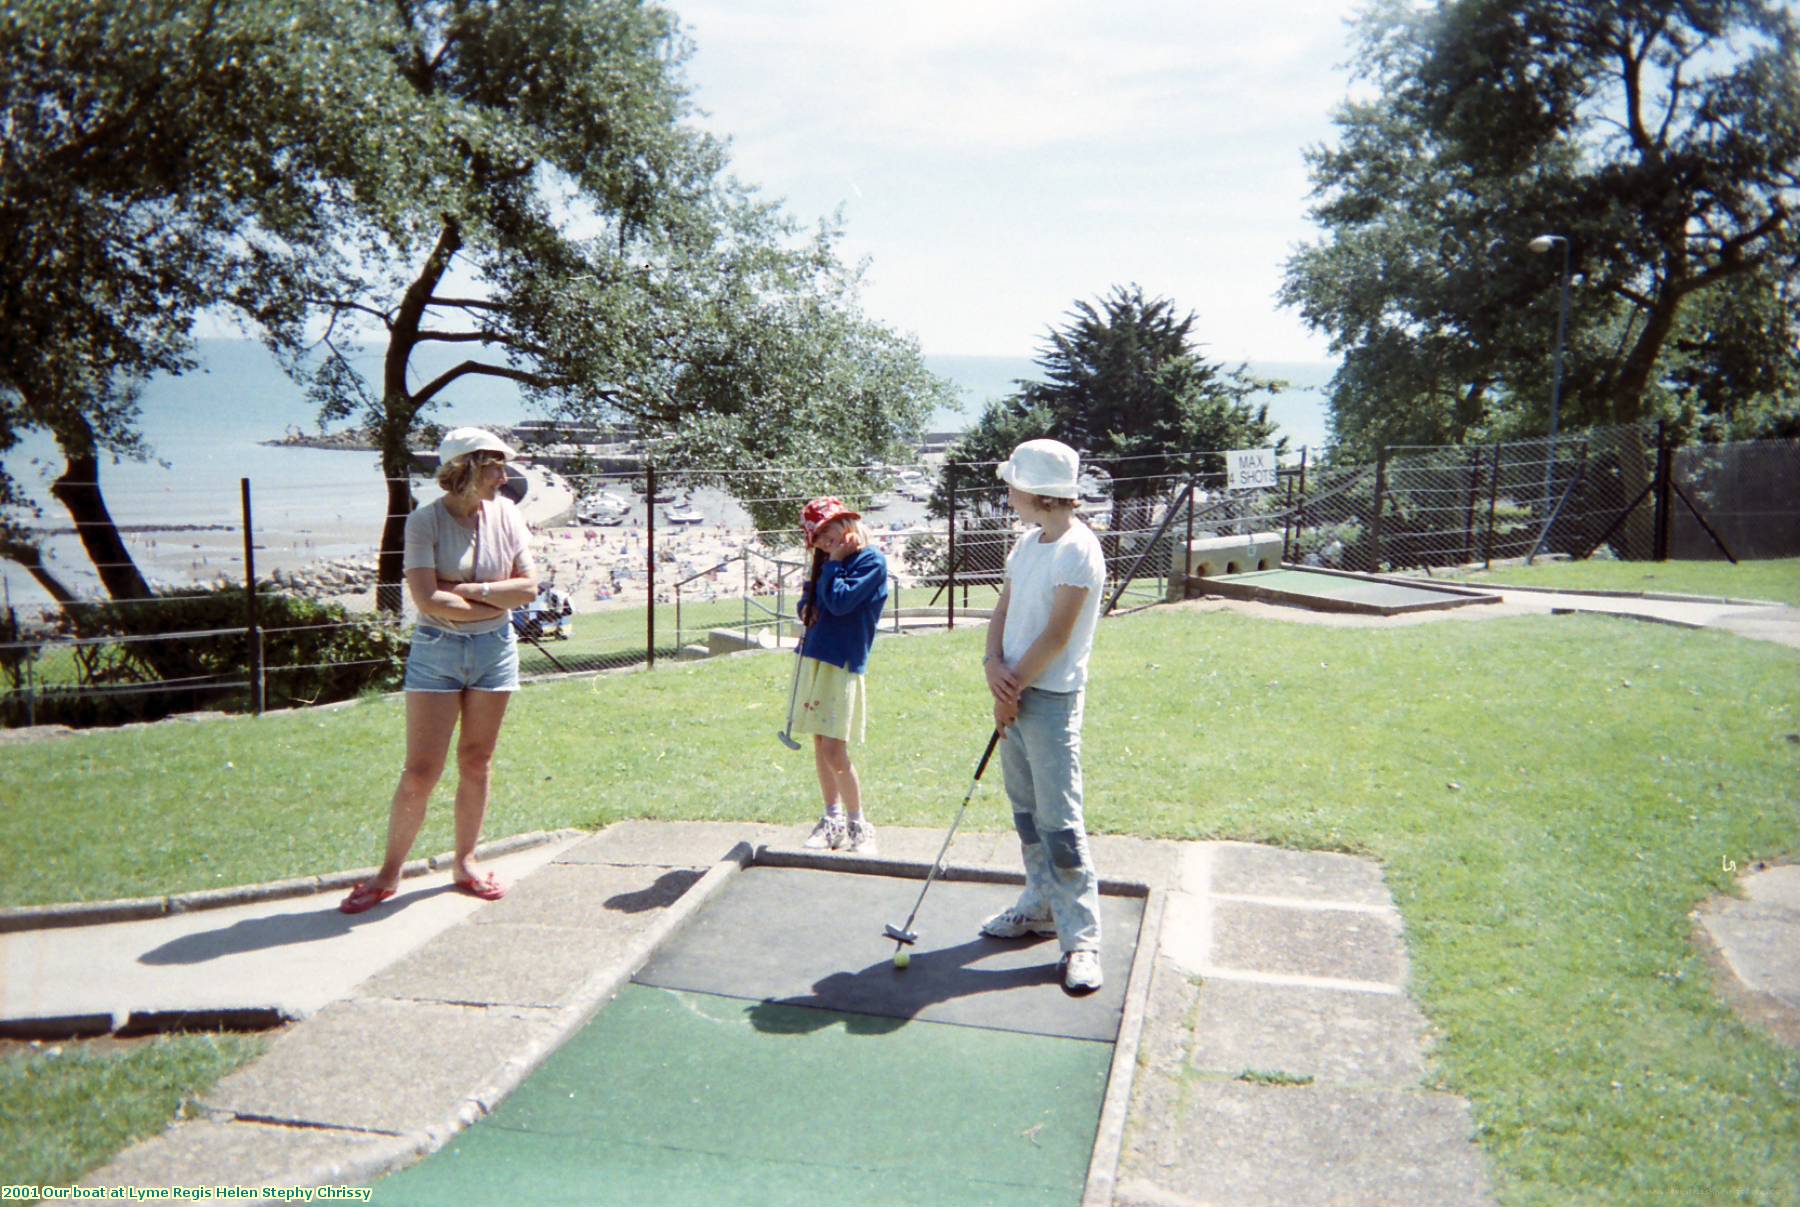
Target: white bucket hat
x,y
1043,467
460,442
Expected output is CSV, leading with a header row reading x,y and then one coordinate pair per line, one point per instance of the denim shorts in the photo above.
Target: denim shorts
x,y
441,661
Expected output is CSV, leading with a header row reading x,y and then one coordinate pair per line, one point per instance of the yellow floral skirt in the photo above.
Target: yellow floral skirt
x,y
830,702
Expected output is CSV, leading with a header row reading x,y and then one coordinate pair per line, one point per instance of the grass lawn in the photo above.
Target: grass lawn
x,y
1776,579
79,1103
1550,797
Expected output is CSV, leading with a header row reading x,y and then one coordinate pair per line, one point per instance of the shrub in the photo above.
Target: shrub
x,y
187,648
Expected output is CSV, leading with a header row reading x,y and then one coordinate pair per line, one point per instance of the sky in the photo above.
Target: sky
x,y
997,160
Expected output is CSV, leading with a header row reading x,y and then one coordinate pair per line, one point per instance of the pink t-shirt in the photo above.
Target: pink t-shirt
x,y
496,547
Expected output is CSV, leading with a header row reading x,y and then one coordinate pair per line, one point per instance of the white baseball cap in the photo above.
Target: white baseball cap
x,y
460,442
1043,467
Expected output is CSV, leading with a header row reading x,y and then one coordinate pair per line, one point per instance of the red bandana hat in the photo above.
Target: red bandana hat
x,y
822,511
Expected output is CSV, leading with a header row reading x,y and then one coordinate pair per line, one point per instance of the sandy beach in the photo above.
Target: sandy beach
x,y
598,566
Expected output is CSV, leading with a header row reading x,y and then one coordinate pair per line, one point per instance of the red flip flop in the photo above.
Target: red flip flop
x,y
487,888
365,896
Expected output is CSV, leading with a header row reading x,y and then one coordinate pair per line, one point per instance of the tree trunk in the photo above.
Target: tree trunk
x,y
78,490
398,414
31,558
1637,537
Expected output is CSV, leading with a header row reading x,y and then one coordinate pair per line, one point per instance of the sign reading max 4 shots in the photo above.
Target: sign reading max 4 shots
x,y
1250,469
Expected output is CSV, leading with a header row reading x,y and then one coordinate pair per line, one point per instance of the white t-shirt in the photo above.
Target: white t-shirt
x,y
1033,572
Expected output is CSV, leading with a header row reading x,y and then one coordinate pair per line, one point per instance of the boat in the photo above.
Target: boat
x,y
682,515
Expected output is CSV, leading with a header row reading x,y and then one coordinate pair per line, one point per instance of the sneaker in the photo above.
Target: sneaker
x,y
862,837
1081,972
828,834
1013,924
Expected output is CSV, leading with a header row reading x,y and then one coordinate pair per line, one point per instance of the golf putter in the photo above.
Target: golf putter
x,y
787,735
904,934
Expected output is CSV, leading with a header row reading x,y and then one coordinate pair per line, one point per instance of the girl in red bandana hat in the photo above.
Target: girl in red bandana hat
x,y
840,608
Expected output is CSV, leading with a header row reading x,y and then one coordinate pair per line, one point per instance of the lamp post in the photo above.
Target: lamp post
x,y
1540,245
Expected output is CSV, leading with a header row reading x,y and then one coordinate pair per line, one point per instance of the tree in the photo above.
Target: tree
x,y
1662,139
606,261
157,159
1125,385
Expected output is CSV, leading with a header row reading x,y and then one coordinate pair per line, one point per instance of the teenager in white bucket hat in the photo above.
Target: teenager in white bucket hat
x,y
1043,467
1038,642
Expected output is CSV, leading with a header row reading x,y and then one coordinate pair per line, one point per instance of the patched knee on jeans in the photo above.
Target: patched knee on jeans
x,y
1026,825
1065,848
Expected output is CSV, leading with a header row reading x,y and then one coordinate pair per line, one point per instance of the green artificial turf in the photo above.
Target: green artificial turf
x,y
1550,796
678,1098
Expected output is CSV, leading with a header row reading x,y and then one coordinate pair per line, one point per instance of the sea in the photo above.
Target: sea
x,y
205,430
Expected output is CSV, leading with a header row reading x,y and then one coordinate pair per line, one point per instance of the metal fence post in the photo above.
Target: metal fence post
x,y
1187,550
1381,461
253,629
650,562
1473,470
1487,555
950,492
1665,475
1300,510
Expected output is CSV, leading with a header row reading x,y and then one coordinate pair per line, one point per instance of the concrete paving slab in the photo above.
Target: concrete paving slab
x,y
586,896
671,843
1349,945
291,956
380,1066
541,966
1780,625
1283,1146
1357,1039
1757,941
1239,869
241,1154
1776,886
1148,861
798,937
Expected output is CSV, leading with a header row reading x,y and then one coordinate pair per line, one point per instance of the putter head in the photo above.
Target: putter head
x,y
908,937
787,741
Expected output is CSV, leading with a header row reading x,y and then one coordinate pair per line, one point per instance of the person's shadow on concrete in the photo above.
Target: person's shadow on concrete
x,y
667,888
880,998
276,930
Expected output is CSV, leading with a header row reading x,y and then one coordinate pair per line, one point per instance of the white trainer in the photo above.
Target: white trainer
x,y
829,834
1014,924
862,837
1081,972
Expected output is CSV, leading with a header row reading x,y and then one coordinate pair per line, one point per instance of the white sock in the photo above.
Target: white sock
x,y
834,811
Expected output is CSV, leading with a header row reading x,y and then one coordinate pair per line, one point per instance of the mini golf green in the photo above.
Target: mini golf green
x,y
935,1093
1326,591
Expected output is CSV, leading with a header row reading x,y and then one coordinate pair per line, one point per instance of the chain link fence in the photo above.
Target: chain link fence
x,y
636,566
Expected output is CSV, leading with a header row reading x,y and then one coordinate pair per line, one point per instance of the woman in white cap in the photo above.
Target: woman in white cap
x,y
467,564
1038,643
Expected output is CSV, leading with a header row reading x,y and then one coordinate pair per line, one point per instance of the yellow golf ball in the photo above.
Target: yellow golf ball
x,y
902,958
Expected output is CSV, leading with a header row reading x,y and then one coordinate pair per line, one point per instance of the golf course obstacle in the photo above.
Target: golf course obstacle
x,y
1212,556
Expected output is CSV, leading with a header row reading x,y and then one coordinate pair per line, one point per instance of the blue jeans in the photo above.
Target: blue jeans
x,y
442,661
1041,756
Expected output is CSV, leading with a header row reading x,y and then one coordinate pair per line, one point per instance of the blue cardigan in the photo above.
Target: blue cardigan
x,y
851,595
